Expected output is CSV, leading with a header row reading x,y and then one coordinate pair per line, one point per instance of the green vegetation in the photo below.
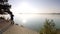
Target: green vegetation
x,y
48,28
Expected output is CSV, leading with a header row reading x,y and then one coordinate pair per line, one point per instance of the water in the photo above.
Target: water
x,y
35,21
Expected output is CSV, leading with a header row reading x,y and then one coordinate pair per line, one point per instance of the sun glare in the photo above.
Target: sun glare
x,y
25,7
24,21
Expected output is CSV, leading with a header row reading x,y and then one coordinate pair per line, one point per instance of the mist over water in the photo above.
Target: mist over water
x,y
35,21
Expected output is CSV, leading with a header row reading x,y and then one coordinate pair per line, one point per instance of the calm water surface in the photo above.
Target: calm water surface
x,y
35,21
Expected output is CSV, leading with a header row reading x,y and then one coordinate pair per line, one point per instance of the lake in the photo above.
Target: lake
x,y
35,21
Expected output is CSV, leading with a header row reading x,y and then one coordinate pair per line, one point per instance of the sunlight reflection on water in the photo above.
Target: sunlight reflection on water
x,y
35,21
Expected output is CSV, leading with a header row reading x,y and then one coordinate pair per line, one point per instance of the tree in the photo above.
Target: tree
x,y
5,7
48,28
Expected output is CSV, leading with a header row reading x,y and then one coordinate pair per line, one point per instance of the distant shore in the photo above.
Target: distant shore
x,y
41,13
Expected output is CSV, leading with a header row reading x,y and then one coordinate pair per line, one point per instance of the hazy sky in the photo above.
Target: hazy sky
x,y
35,6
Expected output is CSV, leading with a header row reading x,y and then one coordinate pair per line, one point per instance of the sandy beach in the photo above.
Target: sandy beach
x,y
15,29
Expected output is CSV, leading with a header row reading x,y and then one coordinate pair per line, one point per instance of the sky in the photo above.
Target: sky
x,y
35,6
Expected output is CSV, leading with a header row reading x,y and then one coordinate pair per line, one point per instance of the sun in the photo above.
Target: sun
x,y
24,7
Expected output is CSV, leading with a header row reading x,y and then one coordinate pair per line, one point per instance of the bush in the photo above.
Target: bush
x,y
48,28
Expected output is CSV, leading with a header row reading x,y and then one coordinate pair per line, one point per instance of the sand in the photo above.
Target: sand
x,y
15,29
